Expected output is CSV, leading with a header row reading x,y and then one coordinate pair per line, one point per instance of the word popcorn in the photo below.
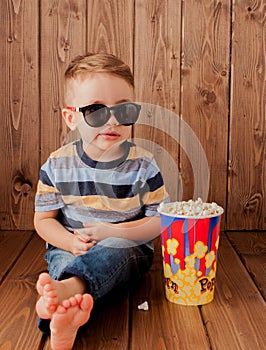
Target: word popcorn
x,y
190,208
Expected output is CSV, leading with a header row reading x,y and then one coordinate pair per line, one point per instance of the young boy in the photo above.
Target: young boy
x,y
96,199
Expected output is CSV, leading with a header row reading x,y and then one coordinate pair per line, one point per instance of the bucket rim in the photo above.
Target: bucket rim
x,y
166,205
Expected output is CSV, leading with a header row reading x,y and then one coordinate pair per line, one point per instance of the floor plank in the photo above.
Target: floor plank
x,y
251,246
18,324
12,244
234,320
165,326
110,324
108,328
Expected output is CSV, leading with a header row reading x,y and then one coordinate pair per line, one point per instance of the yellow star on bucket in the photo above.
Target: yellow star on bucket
x,y
200,249
172,245
209,259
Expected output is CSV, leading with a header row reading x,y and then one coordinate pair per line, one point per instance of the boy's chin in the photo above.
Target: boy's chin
x,y
104,151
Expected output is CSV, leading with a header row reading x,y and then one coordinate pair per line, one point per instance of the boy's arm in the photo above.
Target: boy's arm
x,y
51,230
144,229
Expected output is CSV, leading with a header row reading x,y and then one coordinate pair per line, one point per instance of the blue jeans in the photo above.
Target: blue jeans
x,y
114,263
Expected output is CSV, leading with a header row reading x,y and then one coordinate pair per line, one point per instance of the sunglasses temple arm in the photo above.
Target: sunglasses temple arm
x,y
73,109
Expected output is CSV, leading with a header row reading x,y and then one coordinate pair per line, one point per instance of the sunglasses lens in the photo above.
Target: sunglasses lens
x,y
96,115
127,113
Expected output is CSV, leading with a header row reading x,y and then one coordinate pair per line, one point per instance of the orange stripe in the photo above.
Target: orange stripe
x,y
104,203
43,189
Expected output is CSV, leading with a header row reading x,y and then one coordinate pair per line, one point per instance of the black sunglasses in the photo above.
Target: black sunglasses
x,y
96,115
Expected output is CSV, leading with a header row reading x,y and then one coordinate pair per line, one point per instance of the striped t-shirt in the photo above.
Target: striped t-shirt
x,y
84,190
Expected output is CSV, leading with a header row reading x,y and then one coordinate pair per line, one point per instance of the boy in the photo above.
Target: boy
x,y
96,199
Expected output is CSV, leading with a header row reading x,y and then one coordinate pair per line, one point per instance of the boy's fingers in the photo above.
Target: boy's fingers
x,y
84,235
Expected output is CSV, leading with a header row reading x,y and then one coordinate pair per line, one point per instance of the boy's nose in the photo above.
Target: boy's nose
x,y
112,120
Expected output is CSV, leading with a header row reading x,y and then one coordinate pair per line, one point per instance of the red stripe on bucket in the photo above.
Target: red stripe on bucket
x,y
164,236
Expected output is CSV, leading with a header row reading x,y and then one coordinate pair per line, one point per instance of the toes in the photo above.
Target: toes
x,y
49,290
43,279
72,301
52,308
66,303
61,309
86,302
78,298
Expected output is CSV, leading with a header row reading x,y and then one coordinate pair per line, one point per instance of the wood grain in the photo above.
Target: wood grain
x,y
205,88
201,61
157,75
108,327
234,320
252,249
18,327
110,321
110,28
19,94
247,165
63,36
237,305
12,244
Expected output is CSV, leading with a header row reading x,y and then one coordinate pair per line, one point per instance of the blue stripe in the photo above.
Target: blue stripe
x,y
155,182
101,189
45,178
104,189
186,241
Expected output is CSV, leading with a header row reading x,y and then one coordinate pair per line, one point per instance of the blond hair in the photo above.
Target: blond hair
x,y
99,63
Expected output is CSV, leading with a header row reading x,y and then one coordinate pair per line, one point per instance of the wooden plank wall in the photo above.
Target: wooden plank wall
x,y
203,61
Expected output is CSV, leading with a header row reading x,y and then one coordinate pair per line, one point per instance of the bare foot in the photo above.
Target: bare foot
x,y
48,301
66,320
53,292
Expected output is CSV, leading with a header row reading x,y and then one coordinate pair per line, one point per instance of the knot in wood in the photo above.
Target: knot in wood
x,y
209,96
153,19
22,186
66,45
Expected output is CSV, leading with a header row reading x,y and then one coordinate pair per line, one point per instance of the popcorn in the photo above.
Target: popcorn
x,y
190,236
191,208
144,306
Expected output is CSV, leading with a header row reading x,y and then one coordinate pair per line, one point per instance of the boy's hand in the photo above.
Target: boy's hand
x,y
81,246
94,231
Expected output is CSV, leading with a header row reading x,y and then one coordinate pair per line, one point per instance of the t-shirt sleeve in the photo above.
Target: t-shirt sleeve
x,y
153,190
47,196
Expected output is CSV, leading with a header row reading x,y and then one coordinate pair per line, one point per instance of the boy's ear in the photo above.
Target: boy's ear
x,y
69,118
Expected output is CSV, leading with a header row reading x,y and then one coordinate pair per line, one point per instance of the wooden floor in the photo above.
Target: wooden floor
x,y
234,320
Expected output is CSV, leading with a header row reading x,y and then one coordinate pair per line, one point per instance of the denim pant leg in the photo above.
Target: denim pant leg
x,y
57,259
112,263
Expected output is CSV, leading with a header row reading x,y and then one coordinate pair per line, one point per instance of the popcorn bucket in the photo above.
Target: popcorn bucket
x,y
189,249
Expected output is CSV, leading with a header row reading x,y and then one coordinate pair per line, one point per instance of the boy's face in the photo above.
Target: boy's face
x,y
98,88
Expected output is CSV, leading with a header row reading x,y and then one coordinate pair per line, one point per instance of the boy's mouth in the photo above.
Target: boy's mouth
x,y
110,135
